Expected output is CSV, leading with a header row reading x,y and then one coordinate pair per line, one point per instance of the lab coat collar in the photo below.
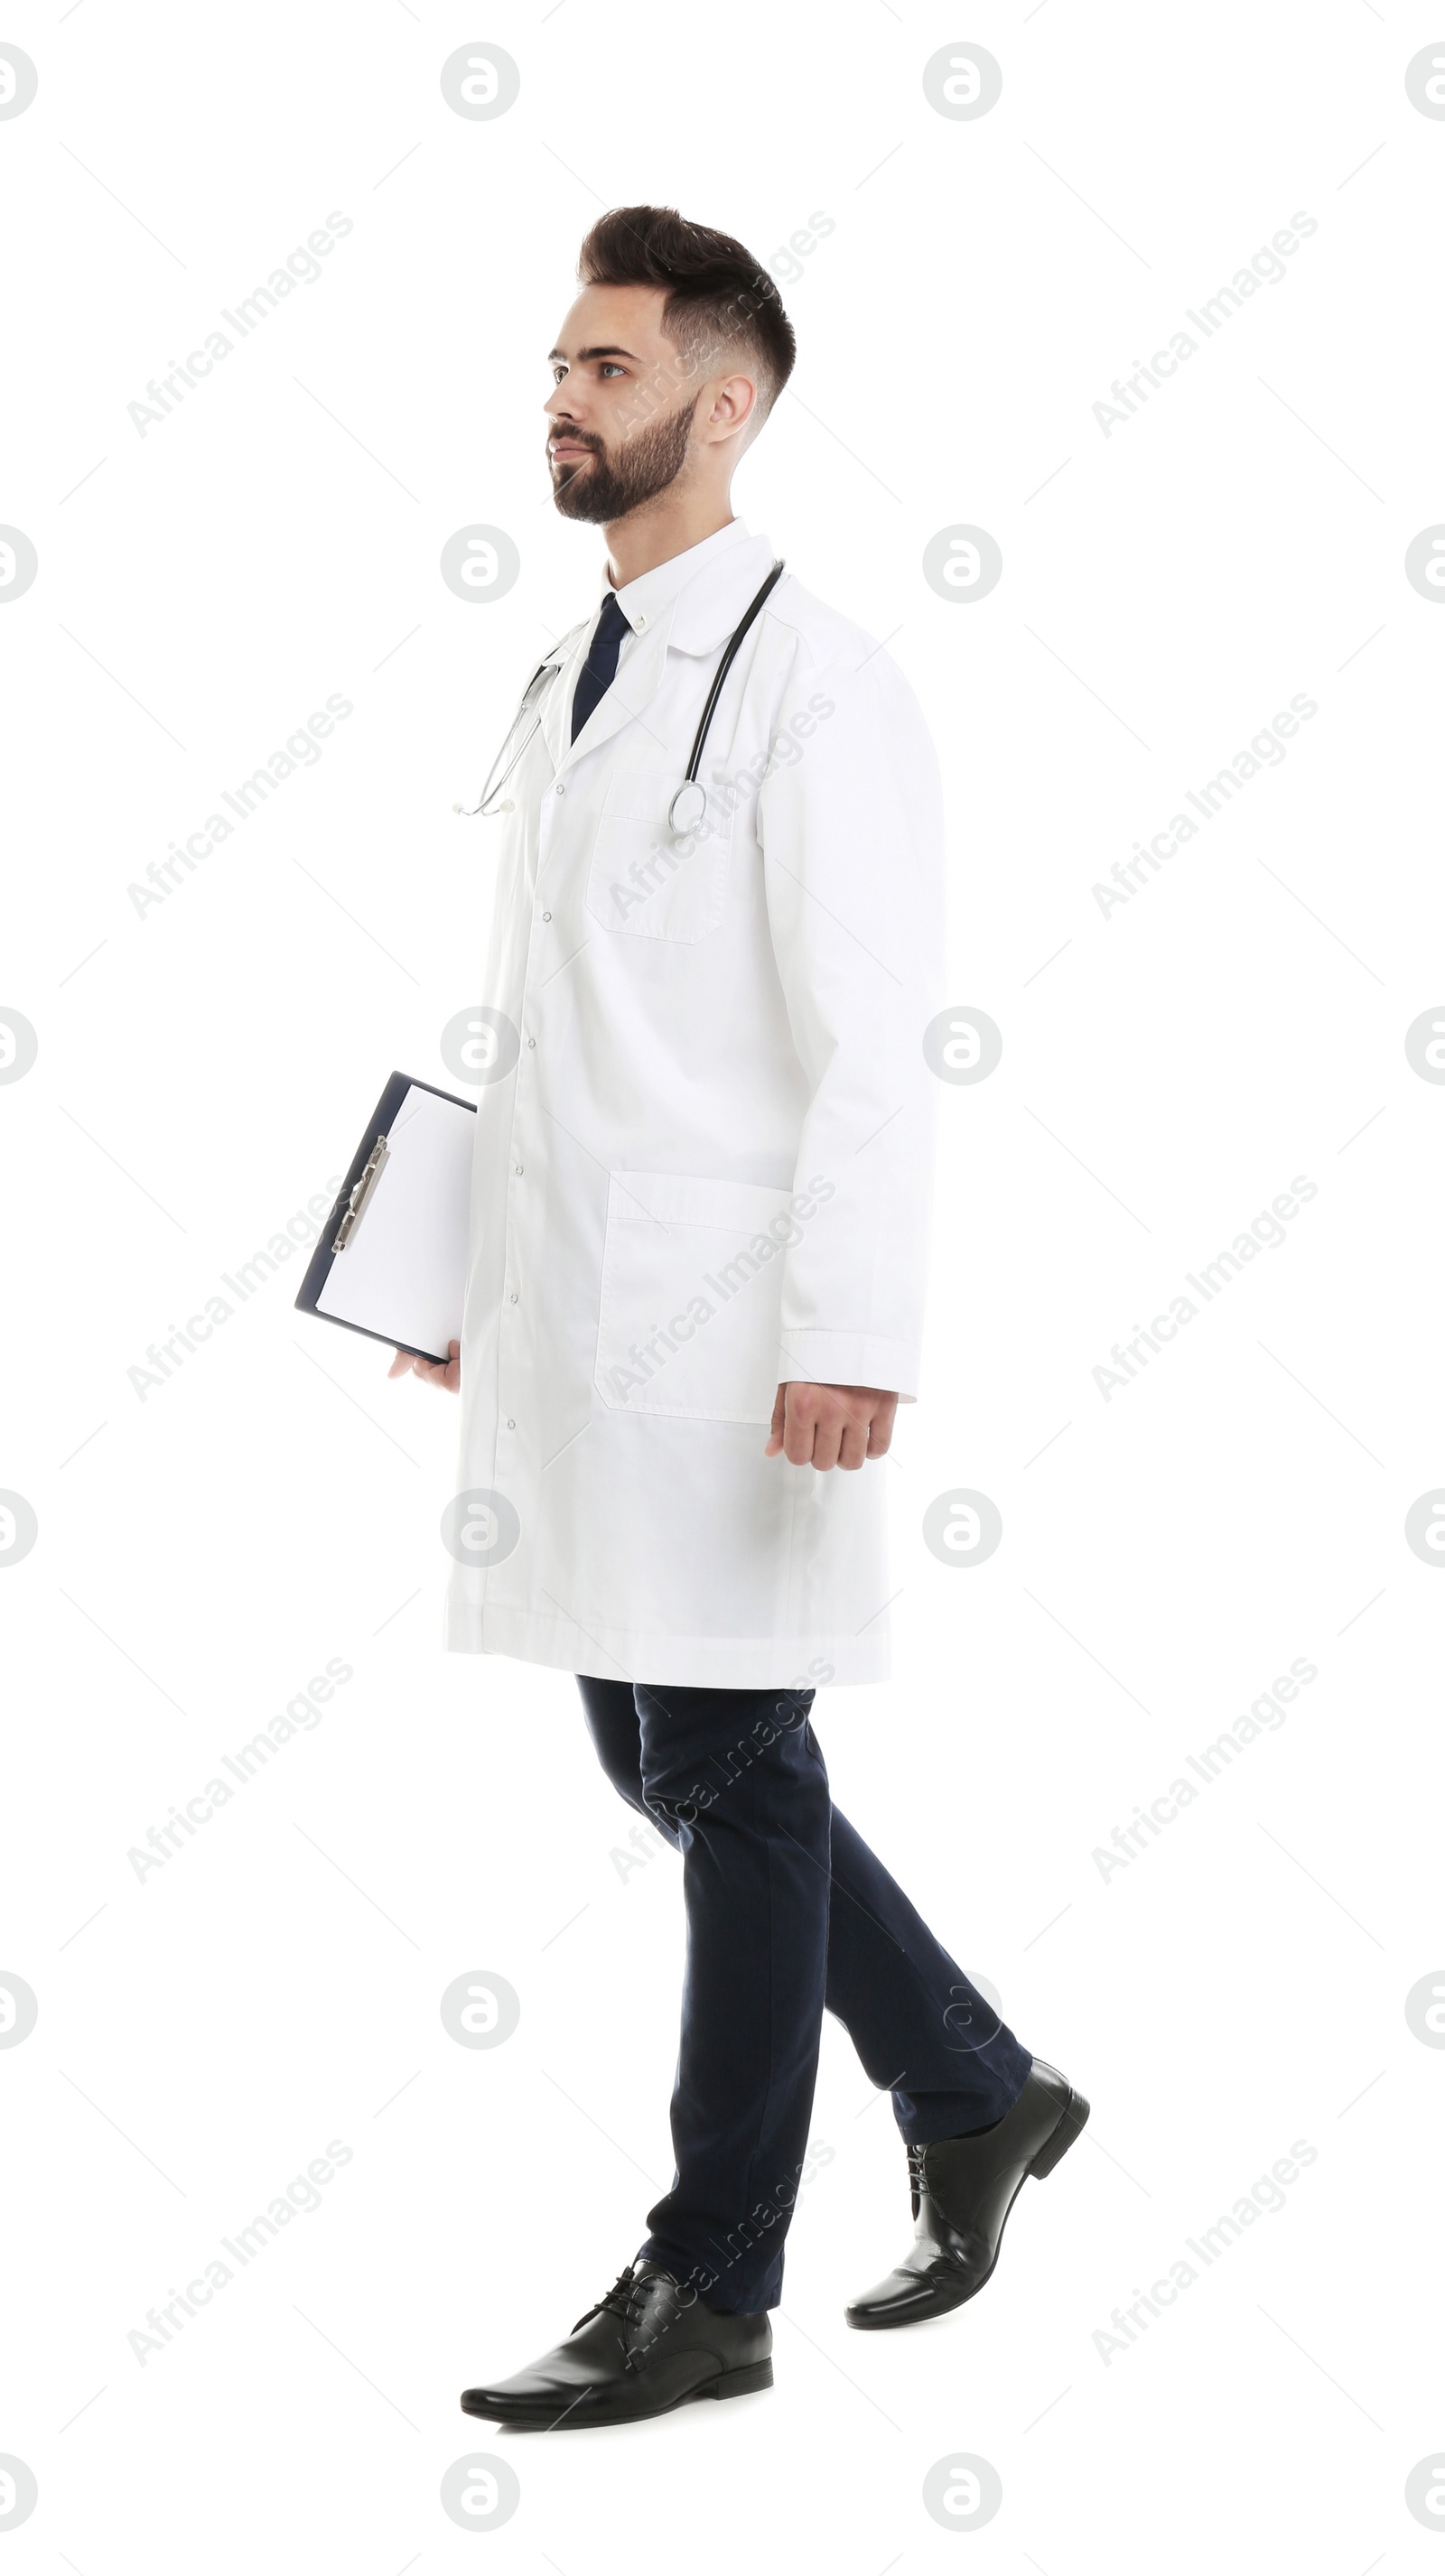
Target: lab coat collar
x,y
692,602
695,585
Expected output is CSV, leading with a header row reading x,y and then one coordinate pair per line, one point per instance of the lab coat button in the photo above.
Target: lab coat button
x,y
511,1426
546,916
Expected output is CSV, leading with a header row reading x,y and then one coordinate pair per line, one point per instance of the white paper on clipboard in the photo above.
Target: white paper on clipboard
x,y
403,1271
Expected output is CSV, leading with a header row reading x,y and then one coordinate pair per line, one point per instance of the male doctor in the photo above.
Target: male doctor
x,y
695,1296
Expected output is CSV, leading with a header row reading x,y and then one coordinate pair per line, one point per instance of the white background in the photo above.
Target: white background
x,y
206,1545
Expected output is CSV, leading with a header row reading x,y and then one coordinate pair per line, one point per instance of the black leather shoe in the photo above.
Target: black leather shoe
x,y
647,2346
963,2190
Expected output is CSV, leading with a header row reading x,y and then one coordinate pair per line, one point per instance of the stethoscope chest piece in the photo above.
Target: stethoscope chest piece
x,y
688,807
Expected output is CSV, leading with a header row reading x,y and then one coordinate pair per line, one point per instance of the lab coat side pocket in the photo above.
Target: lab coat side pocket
x,y
691,1296
646,881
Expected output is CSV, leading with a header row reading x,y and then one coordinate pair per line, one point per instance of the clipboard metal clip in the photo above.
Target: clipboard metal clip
x,y
360,1199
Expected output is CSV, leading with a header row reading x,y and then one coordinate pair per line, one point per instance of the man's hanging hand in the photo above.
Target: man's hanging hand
x,y
830,1426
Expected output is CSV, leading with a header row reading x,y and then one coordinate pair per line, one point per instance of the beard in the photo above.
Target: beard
x,y
608,486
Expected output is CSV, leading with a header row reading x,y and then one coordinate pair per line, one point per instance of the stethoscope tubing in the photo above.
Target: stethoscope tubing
x,y
495,784
723,668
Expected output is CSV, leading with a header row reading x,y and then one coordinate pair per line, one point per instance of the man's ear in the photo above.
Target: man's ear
x,y
734,408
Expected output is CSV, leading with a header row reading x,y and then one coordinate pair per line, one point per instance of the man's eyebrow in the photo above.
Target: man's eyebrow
x,y
592,353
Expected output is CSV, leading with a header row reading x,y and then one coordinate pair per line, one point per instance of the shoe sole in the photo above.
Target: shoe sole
x,y
738,2383
1066,2129
731,2383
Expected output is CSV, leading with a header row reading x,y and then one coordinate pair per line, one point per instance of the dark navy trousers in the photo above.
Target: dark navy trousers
x,y
788,1912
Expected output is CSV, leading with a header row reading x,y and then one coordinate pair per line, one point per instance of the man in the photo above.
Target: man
x,y
695,1292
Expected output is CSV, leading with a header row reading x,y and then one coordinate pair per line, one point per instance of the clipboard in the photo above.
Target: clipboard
x,y
391,1261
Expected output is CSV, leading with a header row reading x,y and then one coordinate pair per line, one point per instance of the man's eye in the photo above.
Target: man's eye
x,y
610,367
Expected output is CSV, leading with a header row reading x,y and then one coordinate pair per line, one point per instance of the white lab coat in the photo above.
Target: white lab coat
x,y
708,1169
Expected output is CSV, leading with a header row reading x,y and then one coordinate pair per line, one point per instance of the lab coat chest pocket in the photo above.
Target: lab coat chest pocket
x,y
645,881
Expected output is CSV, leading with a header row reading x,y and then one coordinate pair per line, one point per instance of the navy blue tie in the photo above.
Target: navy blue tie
x,y
600,668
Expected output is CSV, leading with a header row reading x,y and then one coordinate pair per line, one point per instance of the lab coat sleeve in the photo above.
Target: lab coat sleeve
x,y
851,831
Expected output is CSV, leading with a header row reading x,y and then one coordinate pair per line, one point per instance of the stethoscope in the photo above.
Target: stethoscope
x,y
688,807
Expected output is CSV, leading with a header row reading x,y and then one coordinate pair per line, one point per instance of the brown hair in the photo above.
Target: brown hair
x,y
716,292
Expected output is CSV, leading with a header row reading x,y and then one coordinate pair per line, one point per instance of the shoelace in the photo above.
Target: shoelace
x,y
918,2184
616,2302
